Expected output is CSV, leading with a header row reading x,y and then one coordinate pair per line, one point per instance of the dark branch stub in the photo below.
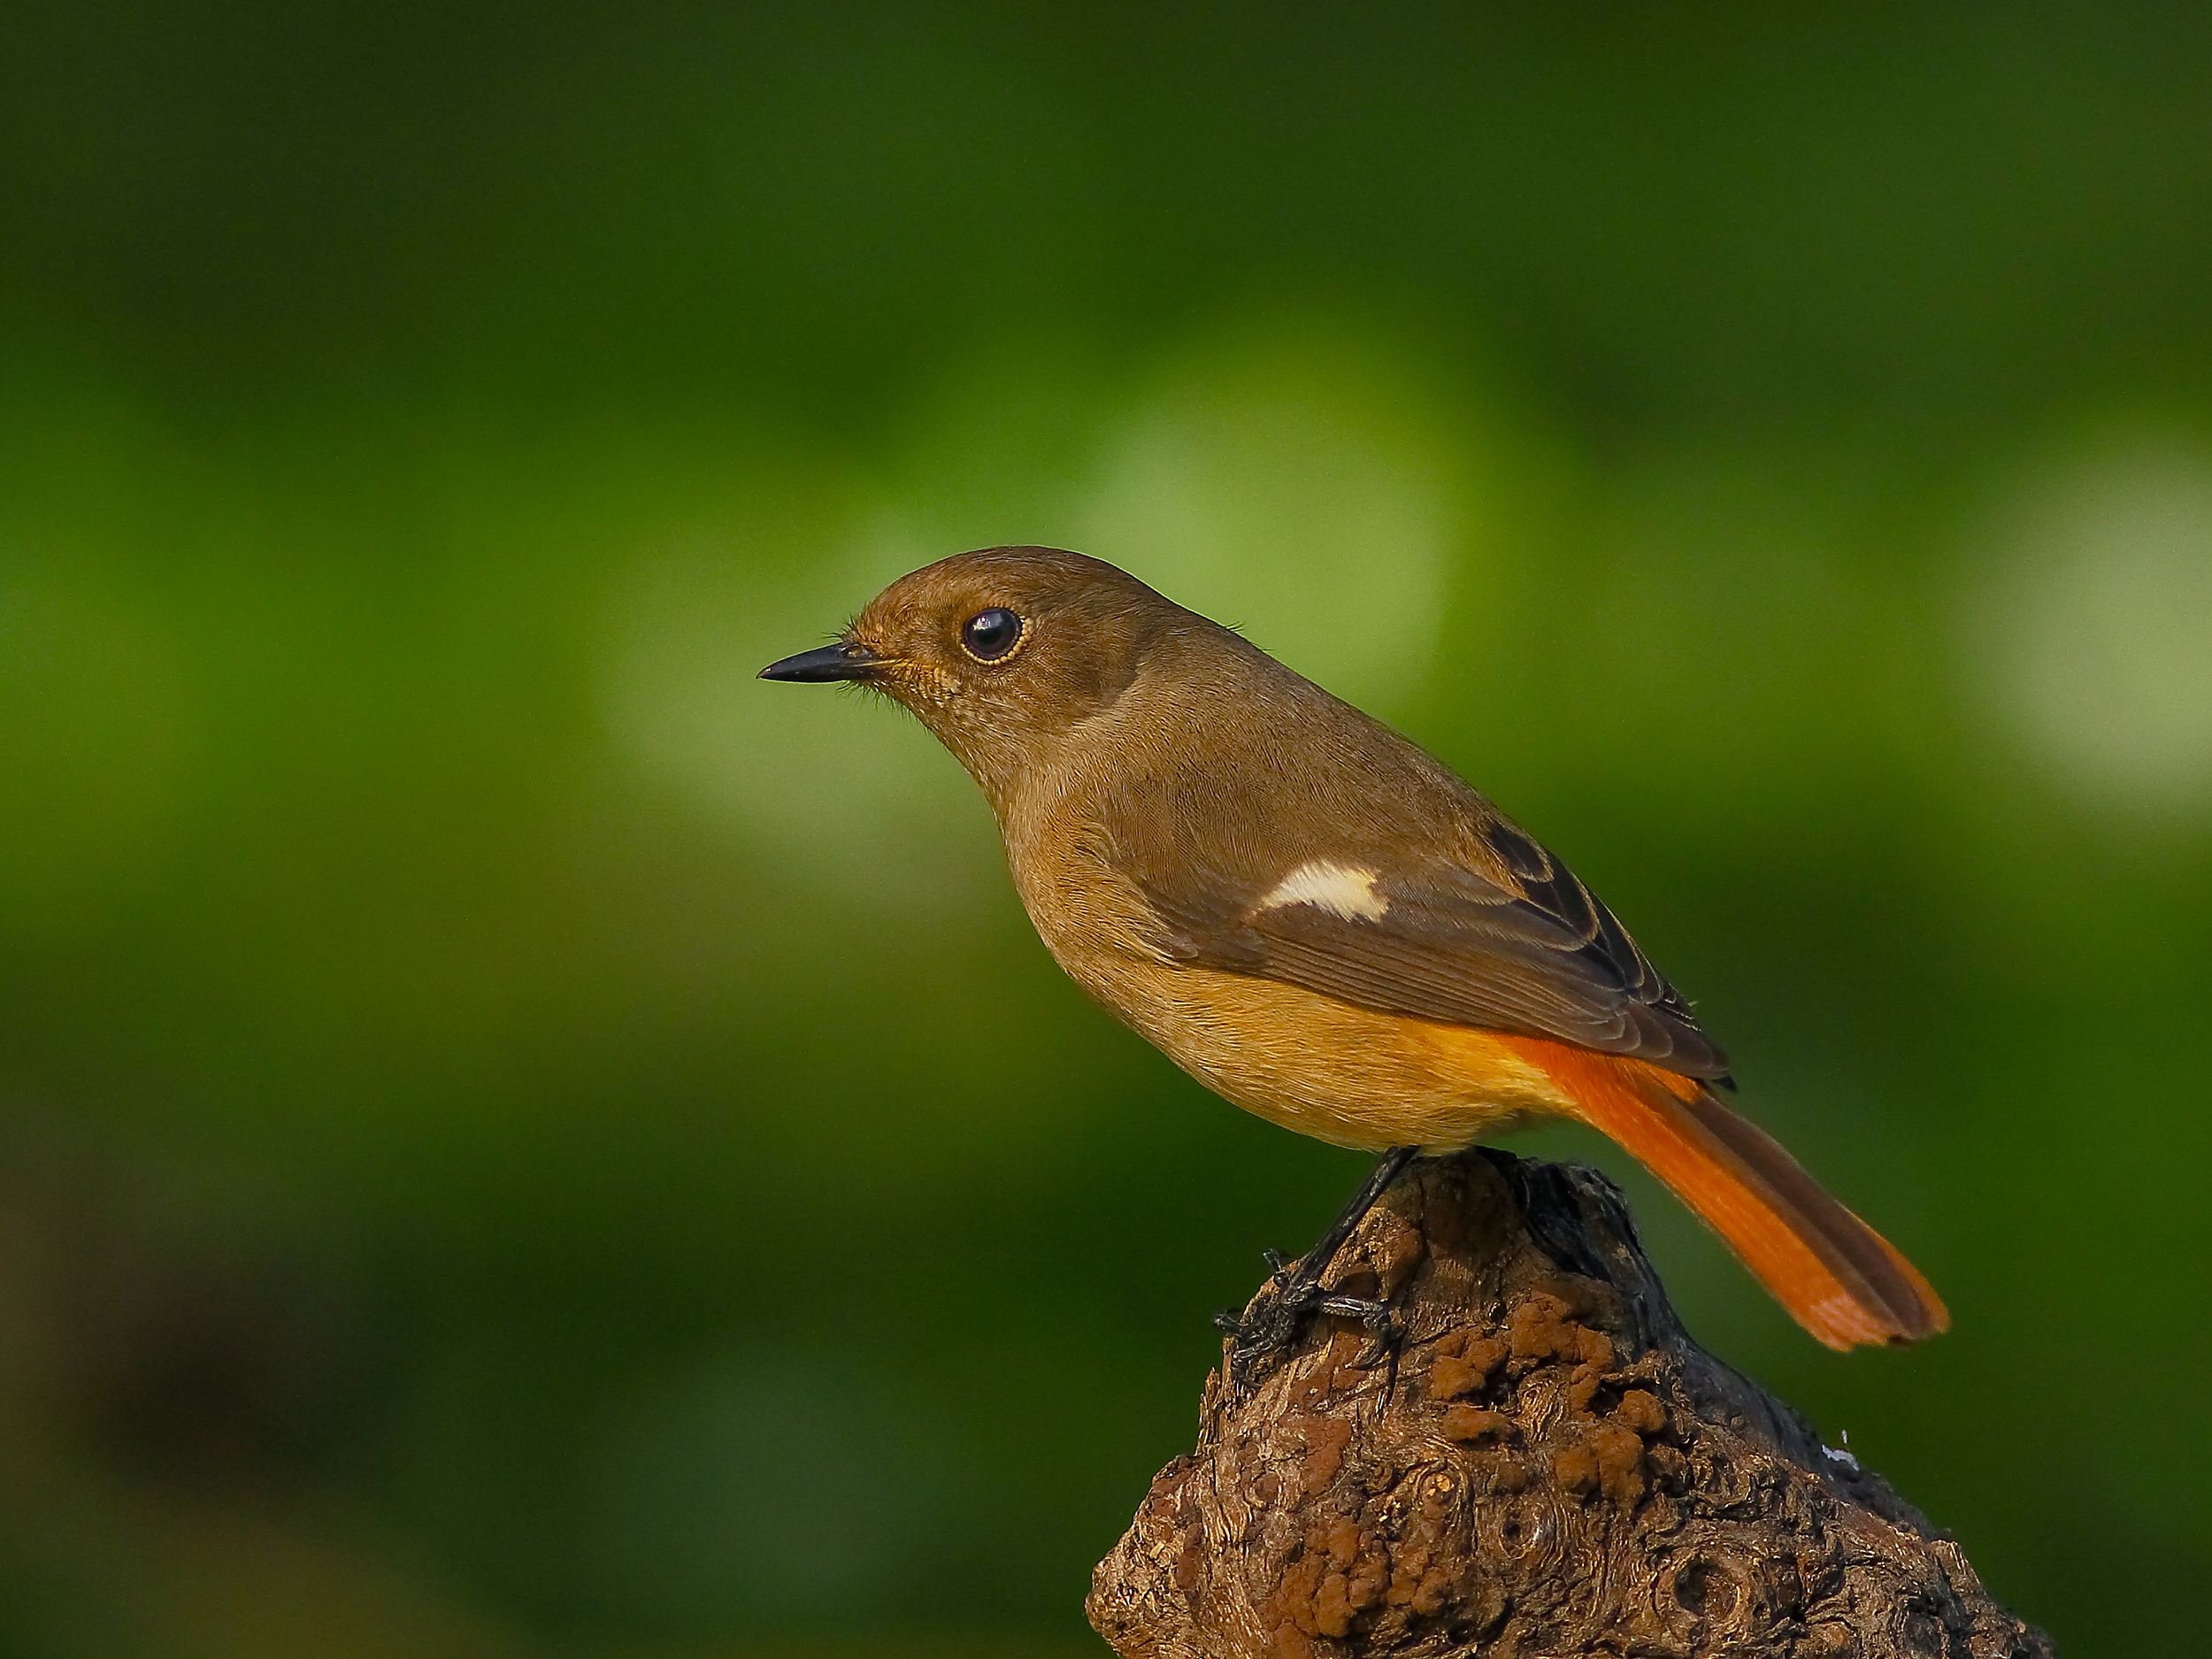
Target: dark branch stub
x,y
1552,1467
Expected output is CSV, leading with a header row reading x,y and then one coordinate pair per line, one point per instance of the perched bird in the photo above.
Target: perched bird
x,y
1322,923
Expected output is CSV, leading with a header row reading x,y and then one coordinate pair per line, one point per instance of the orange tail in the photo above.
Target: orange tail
x,y
1838,1278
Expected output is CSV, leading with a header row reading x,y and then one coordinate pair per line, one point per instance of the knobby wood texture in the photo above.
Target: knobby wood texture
x,y
1555,1469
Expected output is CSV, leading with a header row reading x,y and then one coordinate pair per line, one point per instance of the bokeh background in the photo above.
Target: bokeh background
x,y
517,1138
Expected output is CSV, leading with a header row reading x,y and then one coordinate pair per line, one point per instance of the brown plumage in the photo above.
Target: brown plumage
x,y
1319,919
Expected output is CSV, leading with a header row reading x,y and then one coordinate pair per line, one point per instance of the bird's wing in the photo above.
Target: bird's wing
x,y
1500,935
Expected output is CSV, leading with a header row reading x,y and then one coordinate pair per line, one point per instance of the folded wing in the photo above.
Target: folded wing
x,y
1504,937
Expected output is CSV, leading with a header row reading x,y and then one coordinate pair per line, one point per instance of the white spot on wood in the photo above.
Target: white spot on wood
x,y
1341,889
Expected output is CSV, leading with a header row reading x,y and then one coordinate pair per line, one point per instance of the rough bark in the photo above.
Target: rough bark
x,y
1552,1468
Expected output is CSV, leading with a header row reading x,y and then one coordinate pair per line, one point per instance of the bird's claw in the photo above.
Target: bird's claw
x,y
1280,1281
1386,1336
1272,1326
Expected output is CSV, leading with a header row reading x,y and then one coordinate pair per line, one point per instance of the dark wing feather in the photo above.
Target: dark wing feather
x,y
1528,949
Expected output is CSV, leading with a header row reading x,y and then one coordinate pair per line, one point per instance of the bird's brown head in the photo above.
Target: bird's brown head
x,y
1001,652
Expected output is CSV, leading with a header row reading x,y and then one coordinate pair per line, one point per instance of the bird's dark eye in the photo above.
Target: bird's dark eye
x,y
990,636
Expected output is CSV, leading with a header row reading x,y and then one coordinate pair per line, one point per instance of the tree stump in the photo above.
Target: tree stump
x,y
1552,1467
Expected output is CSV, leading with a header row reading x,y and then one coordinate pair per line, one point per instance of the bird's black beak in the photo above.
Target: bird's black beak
x,y
844,660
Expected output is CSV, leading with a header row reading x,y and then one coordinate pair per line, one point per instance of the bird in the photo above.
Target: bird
x,y
1324,923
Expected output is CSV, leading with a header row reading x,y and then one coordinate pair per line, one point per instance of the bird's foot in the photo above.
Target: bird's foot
x,y
1386,1336
1270,1327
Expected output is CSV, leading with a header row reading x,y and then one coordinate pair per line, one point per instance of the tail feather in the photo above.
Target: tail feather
x,y
1840,1279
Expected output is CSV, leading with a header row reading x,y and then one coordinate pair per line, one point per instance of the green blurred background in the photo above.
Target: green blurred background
x,y
517,1138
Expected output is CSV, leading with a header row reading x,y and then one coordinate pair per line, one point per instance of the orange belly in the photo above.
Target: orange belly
x,y
1345,1075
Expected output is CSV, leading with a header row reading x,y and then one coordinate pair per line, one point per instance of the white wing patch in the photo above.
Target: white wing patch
x,y
1343,890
